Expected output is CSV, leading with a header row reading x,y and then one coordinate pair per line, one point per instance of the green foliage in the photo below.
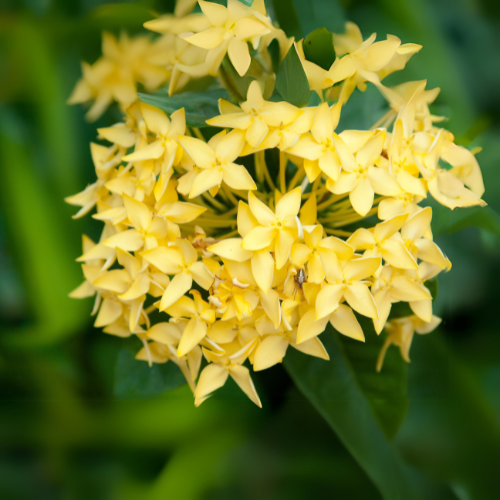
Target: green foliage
x,y
137,379
449,221
318,48
291,79
236,84
287,17
198,106
344,399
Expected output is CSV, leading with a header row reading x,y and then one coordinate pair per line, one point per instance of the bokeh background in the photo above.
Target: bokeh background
x,y
65,433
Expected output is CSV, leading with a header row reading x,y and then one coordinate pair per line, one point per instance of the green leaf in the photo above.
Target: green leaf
x,y
132,15
318,48
449,221
135,378
237,85
343,399
287,18
327,13
199,106
291,79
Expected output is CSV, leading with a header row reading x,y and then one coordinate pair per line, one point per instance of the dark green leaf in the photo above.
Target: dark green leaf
x,y
291,79
318,48
344,401
199,106
237,85
287,18
274,51
121,15
134,378
449,221
327,13
386,391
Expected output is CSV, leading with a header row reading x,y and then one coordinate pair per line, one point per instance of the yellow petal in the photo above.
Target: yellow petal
x,y
258,238
151,151
263,269
328,300
312,347
383,182
130,240
345,322
256,133
309,327
423,309
230,146
201,275
386,229
270,351
260,211
216,14
110,311
212,378
200,152
358,296
164,333
283,245
167,260
119,134
245,219
176,289
395,253
180,212
237,177
383,300
230,249
138,288
138,213
206,180
417,225
239,55
362,196
194,332
271,304
408,290
241,375
288,206
208,39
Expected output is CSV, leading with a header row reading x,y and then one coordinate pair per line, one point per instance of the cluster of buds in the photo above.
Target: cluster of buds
x,y
242,265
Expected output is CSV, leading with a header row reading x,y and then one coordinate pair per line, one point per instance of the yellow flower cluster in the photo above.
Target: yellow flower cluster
x,y
239,269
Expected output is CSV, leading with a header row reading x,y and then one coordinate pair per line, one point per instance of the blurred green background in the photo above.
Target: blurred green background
x,y
64,434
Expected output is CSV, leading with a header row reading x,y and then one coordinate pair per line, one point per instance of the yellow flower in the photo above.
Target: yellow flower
x,y
147,228
215,161
221,366
124,63
347,279
401,333
272,349
318,147
360,177
255,116
231,28
200,315
315,250
180,260
384,241
274,230
392,286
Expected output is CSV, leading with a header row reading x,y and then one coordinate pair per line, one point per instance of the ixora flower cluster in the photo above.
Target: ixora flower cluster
x,y
206,253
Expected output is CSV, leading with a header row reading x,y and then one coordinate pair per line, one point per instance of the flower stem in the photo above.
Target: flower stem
x,y
283,162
